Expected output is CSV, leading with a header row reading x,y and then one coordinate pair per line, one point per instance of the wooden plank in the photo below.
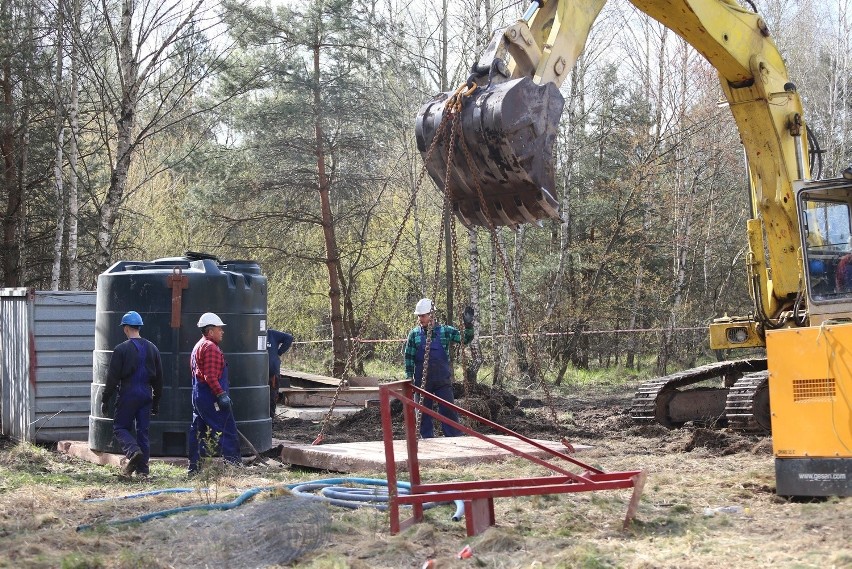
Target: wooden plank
x,y
80,449
318,397
314,413
305,379
370,455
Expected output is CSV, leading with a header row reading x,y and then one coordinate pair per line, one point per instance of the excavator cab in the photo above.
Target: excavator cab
x,y
825,208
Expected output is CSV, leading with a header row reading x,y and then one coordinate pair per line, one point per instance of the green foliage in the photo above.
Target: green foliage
x,y
588,557
26,464
210,469
80,561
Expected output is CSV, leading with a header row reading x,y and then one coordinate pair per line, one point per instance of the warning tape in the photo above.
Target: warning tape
x,y
497,336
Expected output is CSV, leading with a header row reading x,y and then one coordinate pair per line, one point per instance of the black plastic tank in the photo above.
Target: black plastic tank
x,y
170,295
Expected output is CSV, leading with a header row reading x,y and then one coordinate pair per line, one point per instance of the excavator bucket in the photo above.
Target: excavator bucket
x,y
509,129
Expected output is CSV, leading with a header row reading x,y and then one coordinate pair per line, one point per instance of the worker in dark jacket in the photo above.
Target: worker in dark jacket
x,y
212,412
136,373
277,344
439,374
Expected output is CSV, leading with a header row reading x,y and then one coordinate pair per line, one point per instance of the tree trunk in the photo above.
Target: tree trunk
x,y
338,345
59,106
519,341
475,360
496,344
682,221
125,122
557,288
150,47
73,203
27,106
12,187
351,328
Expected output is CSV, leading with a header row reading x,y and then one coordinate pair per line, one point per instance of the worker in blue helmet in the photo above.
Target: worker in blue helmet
x,y
277,344
135,375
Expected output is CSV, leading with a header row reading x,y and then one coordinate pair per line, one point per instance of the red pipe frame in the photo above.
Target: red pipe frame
x,y
564,481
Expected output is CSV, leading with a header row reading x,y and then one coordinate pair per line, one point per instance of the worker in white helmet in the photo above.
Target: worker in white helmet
x,y
212,414
438,374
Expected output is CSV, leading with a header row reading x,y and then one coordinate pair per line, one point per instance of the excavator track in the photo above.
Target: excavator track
x,y
663,401
747,407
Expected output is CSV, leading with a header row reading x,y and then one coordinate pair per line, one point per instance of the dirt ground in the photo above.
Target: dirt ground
x,y
692,473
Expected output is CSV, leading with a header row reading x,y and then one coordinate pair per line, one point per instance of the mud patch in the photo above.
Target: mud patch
x,y
585,417
716,443
496,405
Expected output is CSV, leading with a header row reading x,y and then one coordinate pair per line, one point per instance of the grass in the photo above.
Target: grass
x,y
42,498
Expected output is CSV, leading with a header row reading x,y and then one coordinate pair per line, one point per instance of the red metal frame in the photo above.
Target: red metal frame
x,y
478,496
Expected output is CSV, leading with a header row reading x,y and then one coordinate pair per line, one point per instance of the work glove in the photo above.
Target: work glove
x,y
467,317
224,401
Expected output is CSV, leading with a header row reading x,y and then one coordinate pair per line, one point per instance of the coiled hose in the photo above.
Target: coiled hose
x,y
349,497
346,497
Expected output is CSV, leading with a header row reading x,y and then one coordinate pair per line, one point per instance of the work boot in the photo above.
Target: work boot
x,y
132,463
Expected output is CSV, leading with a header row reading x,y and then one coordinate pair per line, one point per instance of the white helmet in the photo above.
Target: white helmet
x,y
209,319
424,306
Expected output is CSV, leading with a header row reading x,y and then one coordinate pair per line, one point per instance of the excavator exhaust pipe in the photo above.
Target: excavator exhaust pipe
x,y
509,130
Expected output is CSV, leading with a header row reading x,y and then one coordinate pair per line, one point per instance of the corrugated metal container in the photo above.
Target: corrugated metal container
x,y
46,343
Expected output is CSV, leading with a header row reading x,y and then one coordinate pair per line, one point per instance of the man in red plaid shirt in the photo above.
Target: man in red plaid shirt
x,y
213,427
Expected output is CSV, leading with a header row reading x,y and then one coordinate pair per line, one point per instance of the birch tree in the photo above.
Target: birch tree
x,y
152,60
73,151
59,106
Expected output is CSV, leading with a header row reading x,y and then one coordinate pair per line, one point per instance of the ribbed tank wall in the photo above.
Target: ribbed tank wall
x,y
186,287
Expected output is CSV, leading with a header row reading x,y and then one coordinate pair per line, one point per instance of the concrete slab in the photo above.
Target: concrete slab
x,y
314,413
370,455
80,449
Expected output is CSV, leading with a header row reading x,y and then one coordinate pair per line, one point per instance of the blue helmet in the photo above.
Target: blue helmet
x,y
132,318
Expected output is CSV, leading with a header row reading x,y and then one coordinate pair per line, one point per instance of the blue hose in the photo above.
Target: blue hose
x,y
338,496
165,513
143,494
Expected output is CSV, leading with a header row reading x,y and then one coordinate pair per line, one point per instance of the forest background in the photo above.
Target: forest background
x,y
284,133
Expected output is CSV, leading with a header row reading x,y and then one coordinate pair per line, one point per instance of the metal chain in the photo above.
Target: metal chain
x,y
457,282
371,307
452,111
531,347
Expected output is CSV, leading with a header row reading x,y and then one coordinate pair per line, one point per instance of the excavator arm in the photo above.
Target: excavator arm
x,y
501,169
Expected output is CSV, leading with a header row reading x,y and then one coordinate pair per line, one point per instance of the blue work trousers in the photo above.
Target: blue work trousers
x,y
132,408
133,405
427,429
209,422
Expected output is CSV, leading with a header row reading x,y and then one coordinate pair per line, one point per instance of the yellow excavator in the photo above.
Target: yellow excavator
x,y
489,146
